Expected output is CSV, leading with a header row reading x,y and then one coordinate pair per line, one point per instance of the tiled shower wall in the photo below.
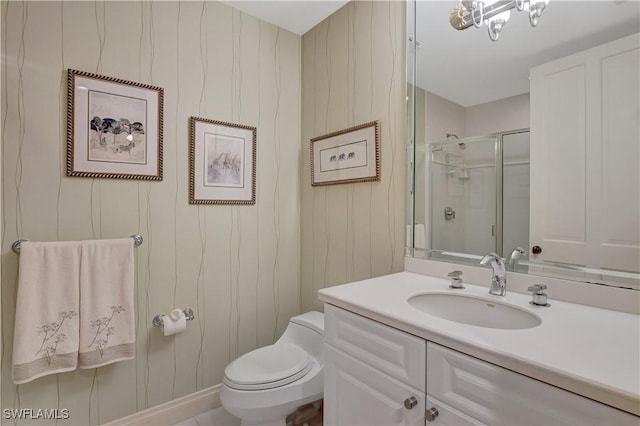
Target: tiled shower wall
x,y
353,72
237,266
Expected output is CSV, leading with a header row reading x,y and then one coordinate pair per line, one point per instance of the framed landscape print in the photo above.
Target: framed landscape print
x,y
114,127
346,156
222,162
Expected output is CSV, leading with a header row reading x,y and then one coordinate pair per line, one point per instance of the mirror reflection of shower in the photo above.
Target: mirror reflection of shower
x,y
485,181
464,173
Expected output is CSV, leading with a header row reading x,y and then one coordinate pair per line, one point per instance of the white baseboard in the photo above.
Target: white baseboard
x,y
174,411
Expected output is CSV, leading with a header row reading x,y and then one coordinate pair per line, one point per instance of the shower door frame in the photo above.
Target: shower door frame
x,y
499,185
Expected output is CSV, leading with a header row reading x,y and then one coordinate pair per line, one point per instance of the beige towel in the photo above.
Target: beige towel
x,y
46,325
107,323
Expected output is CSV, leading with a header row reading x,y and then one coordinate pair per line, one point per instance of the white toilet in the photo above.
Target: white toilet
x,y
263,386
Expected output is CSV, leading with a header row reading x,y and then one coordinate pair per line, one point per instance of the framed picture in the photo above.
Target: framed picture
x,y
350,155
114,127
222,162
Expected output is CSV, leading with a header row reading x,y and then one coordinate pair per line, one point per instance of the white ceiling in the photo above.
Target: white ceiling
x,y
297,16
467,68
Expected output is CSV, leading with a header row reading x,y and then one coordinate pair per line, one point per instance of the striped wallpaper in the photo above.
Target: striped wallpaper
x,y
353,72
236,266
245,270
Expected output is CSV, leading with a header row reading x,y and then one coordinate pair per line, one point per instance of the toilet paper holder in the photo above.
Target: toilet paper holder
x,y
188,313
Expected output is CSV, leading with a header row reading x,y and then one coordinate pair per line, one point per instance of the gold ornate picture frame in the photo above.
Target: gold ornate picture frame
x,y
222,162
347,156
114,127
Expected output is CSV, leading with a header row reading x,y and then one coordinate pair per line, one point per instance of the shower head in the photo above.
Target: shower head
x,y
452,136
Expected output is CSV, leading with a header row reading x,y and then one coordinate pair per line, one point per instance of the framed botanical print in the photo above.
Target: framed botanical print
x,y
222,162
114,127
346,156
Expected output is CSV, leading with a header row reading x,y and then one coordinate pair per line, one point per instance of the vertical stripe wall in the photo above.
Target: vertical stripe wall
x,y
236,266
353,72
247,269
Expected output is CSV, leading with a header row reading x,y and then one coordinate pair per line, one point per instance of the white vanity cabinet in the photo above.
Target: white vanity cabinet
x,y
484,393
372,370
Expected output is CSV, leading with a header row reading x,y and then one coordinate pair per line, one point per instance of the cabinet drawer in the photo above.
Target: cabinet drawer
x,y
396,353
496,396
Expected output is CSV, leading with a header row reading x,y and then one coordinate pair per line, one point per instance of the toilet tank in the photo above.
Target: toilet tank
x,y
313,320
306,331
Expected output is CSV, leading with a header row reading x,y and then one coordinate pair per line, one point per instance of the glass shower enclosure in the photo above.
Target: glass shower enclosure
x,y
477,196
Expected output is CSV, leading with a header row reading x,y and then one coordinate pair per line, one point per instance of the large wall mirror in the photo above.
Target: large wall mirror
x,y
527,146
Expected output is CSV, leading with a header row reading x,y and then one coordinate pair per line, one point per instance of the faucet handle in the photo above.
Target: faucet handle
x,y
519,250
538,288
539,296
456,279
454,274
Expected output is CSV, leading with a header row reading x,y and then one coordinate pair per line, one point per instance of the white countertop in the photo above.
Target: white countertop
x,y
589,351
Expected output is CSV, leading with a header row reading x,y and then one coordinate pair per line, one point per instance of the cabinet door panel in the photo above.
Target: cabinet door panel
x,y
392,351
357,394
618,199
496,396
558,163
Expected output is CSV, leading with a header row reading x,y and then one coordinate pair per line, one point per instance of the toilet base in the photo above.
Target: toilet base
x,y
281,421
308,414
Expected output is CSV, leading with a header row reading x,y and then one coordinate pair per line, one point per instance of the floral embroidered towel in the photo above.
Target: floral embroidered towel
x,y
46,329
107,323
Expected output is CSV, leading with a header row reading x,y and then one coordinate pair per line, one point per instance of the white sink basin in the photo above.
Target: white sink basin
x,y
474,310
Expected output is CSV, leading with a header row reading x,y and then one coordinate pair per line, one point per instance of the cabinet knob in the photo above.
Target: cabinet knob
x,y
431,414
536,249
411,402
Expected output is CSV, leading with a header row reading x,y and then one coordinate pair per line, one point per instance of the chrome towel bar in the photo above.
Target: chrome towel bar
x,y
137,242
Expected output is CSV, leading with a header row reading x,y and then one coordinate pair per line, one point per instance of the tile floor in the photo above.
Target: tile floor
x,y
216,417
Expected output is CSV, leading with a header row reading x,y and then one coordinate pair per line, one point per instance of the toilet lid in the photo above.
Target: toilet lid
x,y
268,367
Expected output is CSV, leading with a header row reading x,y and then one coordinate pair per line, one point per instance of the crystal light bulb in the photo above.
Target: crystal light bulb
x,y
495,24
535,10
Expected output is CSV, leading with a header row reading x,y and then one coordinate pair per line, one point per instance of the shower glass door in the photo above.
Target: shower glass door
x,y
515,197
463,180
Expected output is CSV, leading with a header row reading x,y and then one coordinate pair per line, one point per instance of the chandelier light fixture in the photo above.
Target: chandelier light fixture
x,y
493,13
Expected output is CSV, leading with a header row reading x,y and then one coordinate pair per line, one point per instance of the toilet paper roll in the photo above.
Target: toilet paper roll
x,y
176,314
171,326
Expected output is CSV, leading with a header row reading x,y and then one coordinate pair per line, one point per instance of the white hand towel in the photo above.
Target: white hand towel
x,y
107,322
46,326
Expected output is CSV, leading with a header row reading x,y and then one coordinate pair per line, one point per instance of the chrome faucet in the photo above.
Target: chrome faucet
x,y
499,280
516,254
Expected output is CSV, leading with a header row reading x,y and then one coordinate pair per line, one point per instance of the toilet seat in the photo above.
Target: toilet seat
x,y
268,367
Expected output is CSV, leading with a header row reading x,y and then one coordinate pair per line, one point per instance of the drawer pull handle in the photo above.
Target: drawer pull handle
x,y
431,414
411,402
